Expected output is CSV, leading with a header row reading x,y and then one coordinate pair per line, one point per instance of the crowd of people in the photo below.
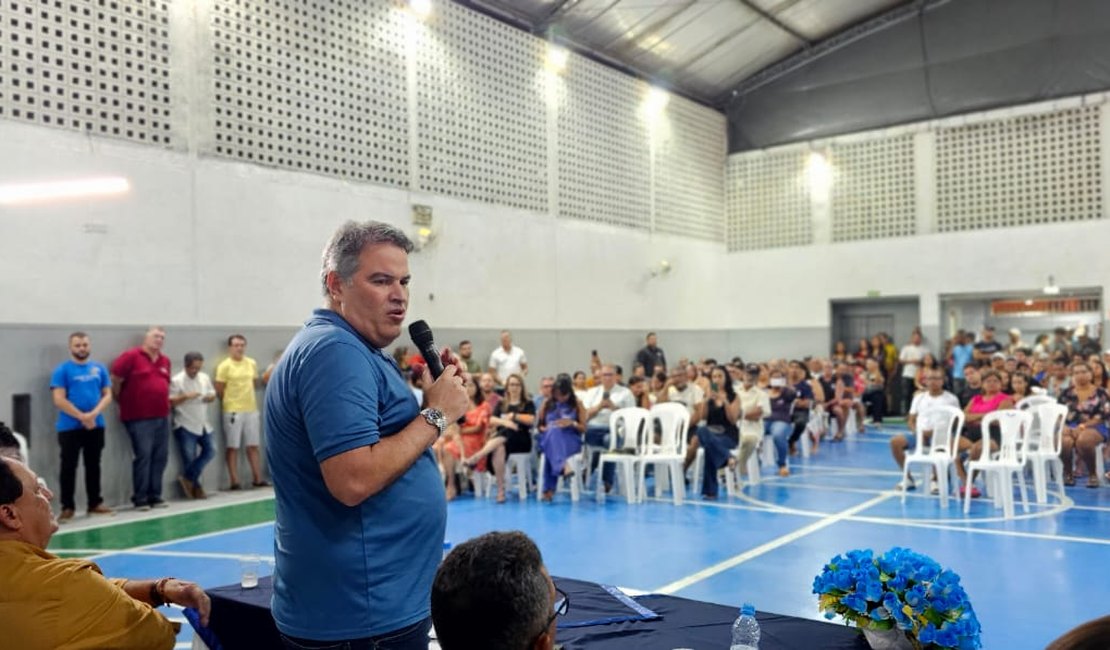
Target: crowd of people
x,y
734,405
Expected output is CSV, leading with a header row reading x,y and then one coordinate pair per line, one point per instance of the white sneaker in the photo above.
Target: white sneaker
x,y
908,485
934,488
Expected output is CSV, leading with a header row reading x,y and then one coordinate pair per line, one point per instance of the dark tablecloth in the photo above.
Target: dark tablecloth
x,y
241,620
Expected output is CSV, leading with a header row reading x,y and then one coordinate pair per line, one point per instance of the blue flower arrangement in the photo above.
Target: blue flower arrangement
x,y
902,590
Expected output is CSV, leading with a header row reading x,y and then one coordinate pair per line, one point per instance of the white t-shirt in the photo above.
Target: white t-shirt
x,y
749,399
924,402
192,415
911,357
618,395
690,396
507,363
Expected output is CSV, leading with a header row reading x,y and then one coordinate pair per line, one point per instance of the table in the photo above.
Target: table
x,y
241,619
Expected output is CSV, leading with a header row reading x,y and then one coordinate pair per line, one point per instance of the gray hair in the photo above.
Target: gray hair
x,y
343,249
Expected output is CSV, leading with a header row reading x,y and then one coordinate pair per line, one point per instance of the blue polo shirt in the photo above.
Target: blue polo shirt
x,y
84,384
961,356
346,572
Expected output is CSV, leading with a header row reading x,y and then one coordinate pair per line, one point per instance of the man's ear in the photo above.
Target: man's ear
x,y
545,641
334,284
9,517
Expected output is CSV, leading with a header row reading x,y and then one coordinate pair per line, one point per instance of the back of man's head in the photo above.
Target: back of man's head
x,y
491,592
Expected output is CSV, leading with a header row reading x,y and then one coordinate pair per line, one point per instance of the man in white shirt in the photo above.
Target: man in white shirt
x,y
507,359
923,403
600,402
755,404
684,392
911,357
191,391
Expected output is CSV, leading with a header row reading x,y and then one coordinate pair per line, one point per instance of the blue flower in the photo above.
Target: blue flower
x,y
855,602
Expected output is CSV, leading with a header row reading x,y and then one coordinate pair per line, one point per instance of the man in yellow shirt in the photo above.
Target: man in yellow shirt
x,y
50,603
236,379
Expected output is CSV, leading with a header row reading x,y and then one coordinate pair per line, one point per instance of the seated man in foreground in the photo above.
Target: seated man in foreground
x,y
52,603
493,592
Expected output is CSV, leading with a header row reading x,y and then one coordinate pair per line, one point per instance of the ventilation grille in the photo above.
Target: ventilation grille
x,y
689,172
1031,169
312,86
100,67
481,119
873,191
768,206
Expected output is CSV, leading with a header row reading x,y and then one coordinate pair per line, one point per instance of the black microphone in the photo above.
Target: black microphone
x,y
421,335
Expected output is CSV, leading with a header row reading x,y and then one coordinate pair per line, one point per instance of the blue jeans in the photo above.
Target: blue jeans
x,y
717,447
188,444
780,435
599,437
150,443
412,637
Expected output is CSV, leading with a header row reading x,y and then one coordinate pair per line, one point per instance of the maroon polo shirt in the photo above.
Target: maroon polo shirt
x,y
144,390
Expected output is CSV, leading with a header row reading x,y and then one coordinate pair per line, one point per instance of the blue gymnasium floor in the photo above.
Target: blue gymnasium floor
x,y
1029,579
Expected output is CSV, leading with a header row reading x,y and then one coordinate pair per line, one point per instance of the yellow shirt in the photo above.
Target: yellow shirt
x,y
59,604
238,379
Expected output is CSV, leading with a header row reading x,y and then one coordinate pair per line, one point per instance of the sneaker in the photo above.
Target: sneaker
x,y
908,485
187,486
934,487
67,514
101,509
158,503
143,508
261,484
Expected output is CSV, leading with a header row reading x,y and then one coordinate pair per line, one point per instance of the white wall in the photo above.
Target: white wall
x,y
201,241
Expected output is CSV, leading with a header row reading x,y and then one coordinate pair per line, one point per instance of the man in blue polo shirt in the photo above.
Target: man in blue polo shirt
x,y
360,507
81,389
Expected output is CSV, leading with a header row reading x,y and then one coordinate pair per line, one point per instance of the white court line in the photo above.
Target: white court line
x,y
841,469
146,547
762,549
125,516
101,552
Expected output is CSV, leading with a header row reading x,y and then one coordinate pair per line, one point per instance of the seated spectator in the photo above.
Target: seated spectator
x,y
990,400
719,435
638,387
863,351
659,384
580,386
1058,379
600,403
9,446
1098,371
465,439
928,362
840,352
805,398
512,418
874,395
1020,387
49,602
1086,424
973,384
562,423
494,593
488,383
919,418
778,423
844,400
683,391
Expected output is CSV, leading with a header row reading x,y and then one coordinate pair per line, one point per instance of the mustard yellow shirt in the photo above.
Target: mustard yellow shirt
x,y
238,379
50,603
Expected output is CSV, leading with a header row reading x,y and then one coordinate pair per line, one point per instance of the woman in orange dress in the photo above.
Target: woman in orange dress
x,y
465,439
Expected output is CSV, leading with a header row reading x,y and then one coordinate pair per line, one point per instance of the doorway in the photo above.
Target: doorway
x,y
855,319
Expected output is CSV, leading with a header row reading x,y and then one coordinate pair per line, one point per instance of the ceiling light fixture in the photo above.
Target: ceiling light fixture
x,y
19,193
1051,289
421,8
656,100
557,57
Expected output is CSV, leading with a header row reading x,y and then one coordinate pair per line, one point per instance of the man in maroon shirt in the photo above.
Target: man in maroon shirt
x,y
141,386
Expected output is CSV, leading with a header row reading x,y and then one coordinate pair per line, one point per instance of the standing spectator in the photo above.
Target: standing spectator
x,y
1015,343
890,367
466,354
236,379
911,356
507,359
600,403
1060,344
191,391
1041,348
141,387
82,390
651,356
840,352
962,354
863,351
987,346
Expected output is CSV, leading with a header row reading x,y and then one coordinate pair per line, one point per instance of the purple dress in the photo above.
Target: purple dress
x,y
558,443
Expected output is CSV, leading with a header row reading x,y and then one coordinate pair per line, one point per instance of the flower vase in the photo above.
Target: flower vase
x,y
893,639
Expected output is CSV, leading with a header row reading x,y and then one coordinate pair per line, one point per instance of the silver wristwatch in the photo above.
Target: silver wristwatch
x,y
435,418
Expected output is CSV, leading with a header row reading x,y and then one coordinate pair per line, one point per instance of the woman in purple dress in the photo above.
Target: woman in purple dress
x,y
562,421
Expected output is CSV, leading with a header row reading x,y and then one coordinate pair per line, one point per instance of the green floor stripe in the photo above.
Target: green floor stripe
x,y
164,529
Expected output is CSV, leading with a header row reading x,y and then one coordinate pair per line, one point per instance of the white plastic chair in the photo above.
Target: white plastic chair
x,y
851,426
575,483
941,450
633,423
668,456
999,472
518,465
1100,464
24,448
1042,446
1032,401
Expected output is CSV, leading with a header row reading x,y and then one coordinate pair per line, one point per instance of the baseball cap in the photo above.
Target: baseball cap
x,y
752,369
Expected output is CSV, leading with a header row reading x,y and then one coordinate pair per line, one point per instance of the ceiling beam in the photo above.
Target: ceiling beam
x,y
774,20
553,15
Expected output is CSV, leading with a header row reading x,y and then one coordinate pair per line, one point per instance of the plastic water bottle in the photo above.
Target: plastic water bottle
x,y
745,631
